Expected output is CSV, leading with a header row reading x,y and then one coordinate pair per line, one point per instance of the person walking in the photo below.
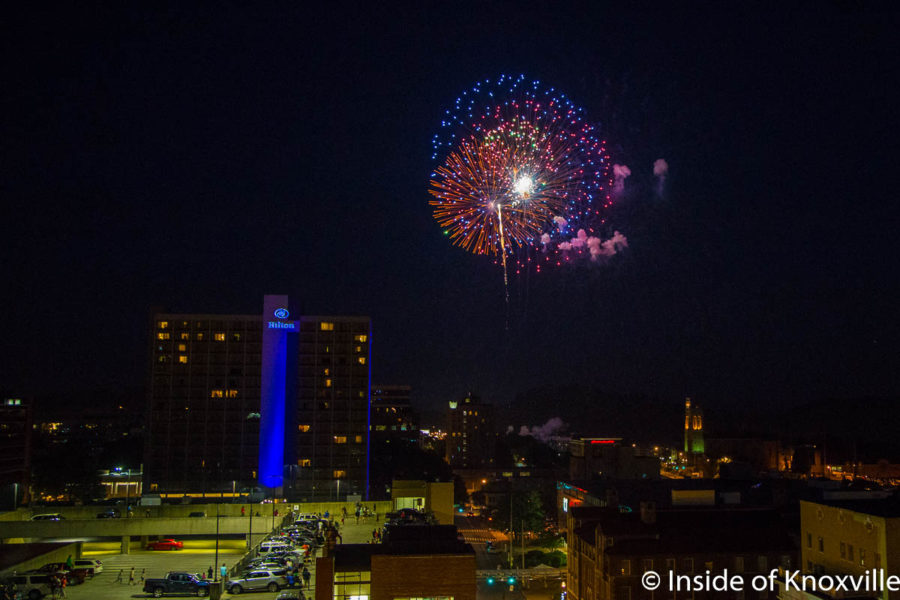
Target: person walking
x,y
120,577
143,574
209,573
223,571
62,586
131,577
306,576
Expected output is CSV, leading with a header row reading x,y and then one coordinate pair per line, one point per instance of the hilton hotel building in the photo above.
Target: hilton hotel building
x,y
275,401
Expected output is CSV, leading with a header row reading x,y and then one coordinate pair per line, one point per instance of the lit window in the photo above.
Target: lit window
x,y
185,335
358,439
340,474
359,348
236,336
361,394
231,393
362,360
340,439
162,358
303,428
182,347
162,335
327,383
182,359
304,462
326,326
163,324
200,336
216,394
219,337
327,372
361,338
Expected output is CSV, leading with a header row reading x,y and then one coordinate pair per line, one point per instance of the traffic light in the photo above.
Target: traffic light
x,y
490,581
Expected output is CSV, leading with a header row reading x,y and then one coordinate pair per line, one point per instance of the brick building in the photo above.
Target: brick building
x,y
412,562
609,550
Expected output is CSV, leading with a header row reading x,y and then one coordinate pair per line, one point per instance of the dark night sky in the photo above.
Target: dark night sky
x,y
197,159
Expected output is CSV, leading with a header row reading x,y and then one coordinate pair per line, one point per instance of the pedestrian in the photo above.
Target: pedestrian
x,y
120,579
62,586
147,512
209,573
69,564
131,577
143,574
306,576
223,571
357,516
342,520
290,579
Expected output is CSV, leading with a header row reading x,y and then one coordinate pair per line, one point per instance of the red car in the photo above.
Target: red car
x,y
165,545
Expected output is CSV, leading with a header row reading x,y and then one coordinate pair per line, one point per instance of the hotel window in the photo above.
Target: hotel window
x,y
184,335
359,348
339,474
236,336
358,439
231,393
163,324
327,372
821,544
625,568
327,383
163,358
200,336
361,338
326,326
182,347
163,335
219,337
182,359
216,394
361,360
303,428
304,462
340,439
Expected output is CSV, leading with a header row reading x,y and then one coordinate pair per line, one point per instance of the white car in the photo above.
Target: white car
x,y
48,517
92,566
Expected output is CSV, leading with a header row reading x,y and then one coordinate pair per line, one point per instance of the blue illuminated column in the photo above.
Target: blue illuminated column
x,y
277,326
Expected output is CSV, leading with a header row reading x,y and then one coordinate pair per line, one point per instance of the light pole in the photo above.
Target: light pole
x,y
216,562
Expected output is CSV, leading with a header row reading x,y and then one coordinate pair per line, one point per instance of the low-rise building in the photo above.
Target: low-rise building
x,y
413,562
610,550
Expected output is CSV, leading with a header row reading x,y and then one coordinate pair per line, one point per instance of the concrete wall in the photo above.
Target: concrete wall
x,y
75,528
58,554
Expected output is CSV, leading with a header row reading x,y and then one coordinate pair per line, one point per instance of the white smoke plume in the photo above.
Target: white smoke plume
x,y
660,170
545,239
561,223
565,246
509,429
610,247
580,239
620,174
545,432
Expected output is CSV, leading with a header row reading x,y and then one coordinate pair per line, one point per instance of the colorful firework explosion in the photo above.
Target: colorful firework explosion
x,y
522,170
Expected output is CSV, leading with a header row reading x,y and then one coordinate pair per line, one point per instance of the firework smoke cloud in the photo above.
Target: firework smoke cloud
x,y
660,170
620,174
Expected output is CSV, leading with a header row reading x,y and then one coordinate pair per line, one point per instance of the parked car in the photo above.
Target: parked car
x,y
33,586
74,576
92,566
272,546
177,582
109,514
258,580
167,544
294,594
48,517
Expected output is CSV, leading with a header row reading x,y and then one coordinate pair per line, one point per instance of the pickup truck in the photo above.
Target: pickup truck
x,y
177,583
